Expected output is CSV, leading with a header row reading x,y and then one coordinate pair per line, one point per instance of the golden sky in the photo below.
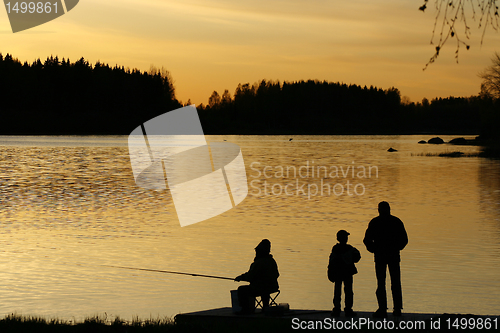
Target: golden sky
x,y
212,45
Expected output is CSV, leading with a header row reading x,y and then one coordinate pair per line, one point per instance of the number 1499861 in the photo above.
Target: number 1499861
x,y
472,323
31,7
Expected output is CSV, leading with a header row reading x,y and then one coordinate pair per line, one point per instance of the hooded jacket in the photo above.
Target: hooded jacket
x,y
263,274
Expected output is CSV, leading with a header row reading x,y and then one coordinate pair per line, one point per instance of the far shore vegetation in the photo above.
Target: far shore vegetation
x,y
60,97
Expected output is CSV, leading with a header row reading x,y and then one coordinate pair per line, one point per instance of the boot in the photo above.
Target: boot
x,y
335,312
349,313
380,313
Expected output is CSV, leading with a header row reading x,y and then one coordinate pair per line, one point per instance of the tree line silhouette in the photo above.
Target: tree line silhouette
x,y
321,107
63,97
301,107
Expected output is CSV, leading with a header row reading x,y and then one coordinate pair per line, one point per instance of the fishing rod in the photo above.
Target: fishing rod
x,y
171,272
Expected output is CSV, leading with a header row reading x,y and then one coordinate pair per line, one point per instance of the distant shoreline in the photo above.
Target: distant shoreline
x,y
256,133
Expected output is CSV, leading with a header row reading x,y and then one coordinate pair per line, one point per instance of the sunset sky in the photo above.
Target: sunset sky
x,y
212,45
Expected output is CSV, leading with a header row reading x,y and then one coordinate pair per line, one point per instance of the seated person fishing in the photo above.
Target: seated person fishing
x,y
263,277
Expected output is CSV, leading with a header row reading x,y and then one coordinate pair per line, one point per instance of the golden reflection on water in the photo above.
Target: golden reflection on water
x,y
69,210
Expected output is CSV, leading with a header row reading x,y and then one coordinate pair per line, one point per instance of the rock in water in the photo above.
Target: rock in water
x,y
458,141
437,140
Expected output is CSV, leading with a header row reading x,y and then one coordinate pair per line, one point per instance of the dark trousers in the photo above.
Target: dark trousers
x,y
397,293
337,292
248,293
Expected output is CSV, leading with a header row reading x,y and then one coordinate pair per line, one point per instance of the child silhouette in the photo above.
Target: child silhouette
x,y
341,268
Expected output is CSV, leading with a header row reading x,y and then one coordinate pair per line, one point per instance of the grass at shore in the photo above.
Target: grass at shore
x,y
15,323
449,154
487,152
489,149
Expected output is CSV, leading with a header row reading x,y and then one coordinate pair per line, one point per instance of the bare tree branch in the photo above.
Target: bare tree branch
x,y
491,79
451,12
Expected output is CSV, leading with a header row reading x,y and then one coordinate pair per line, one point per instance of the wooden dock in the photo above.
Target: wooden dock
x,y
294,320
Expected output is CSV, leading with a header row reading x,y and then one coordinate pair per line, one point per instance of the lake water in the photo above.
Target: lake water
x,y
70,207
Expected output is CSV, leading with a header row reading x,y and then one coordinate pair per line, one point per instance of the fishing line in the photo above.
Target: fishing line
x,y
171,272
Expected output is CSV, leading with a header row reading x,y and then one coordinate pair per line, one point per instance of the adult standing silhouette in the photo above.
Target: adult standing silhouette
x,y
385,238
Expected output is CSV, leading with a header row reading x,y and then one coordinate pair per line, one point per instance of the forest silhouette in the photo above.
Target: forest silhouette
x,y
321,107
58,97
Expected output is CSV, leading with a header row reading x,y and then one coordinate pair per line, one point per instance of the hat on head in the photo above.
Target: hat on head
x,y
342,233
264,246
